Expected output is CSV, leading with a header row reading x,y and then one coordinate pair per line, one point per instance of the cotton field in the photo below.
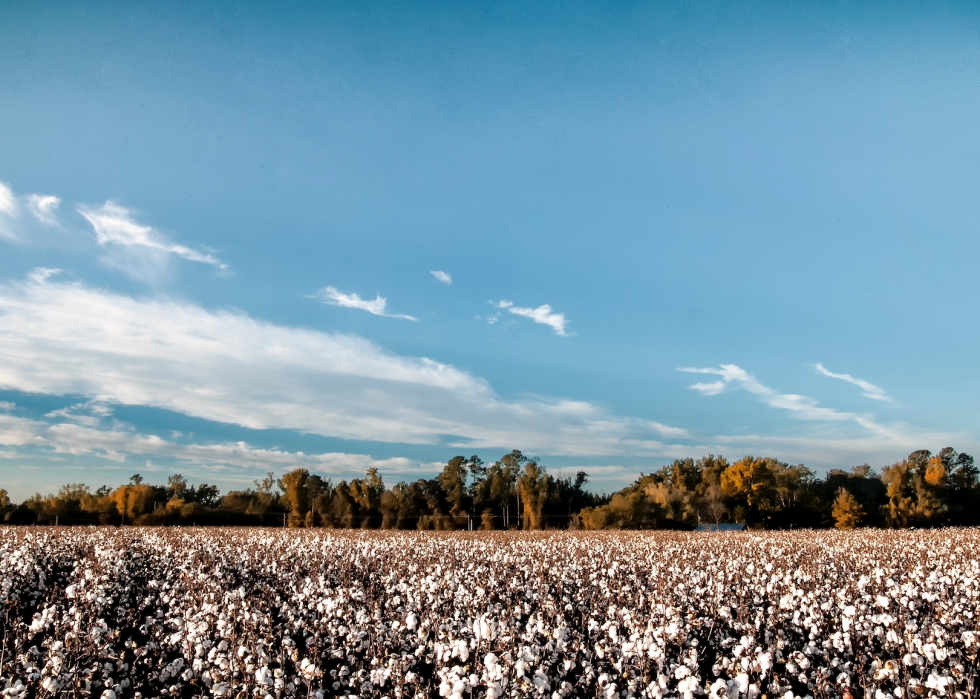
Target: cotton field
x,y
119,613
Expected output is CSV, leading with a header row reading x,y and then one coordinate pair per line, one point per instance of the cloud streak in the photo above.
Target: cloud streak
x,y
114,226
542,314
803,407
444,277
870,390
378,306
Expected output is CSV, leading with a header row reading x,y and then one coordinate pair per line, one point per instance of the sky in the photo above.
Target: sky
x,y
246,237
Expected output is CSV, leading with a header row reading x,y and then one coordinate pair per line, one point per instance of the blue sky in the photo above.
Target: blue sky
x,y
668,229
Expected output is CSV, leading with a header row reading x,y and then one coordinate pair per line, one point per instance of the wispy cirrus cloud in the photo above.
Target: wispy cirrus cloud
x,y
41,206
444,277
143,248
542,314
378,306
805,407
870,390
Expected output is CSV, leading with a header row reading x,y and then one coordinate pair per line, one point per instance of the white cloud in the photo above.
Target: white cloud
x,y
8,204
69,339
43,207
444,277
42,274
116,445
6,405
143,248
870,390
541,314
8,210
90,413
804,407
332,296
19,432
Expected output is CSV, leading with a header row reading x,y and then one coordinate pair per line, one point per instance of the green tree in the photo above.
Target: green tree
x,y
453,481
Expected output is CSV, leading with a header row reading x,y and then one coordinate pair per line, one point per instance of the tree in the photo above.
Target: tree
x,y
751,484
511,469
366,494
133,501
847,512
917,488
713,503
207,495
534,486
453,481
296,496
629,509
177,485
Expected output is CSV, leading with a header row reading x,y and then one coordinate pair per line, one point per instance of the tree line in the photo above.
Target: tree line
x,y
517,492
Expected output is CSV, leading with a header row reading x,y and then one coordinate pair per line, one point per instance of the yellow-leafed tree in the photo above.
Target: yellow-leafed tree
x,y
847,511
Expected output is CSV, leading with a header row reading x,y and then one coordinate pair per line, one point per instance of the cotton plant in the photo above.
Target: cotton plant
x,y
120,613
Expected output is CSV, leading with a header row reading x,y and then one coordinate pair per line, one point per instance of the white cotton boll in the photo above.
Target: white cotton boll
x,y
687,687
742,682
108,694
